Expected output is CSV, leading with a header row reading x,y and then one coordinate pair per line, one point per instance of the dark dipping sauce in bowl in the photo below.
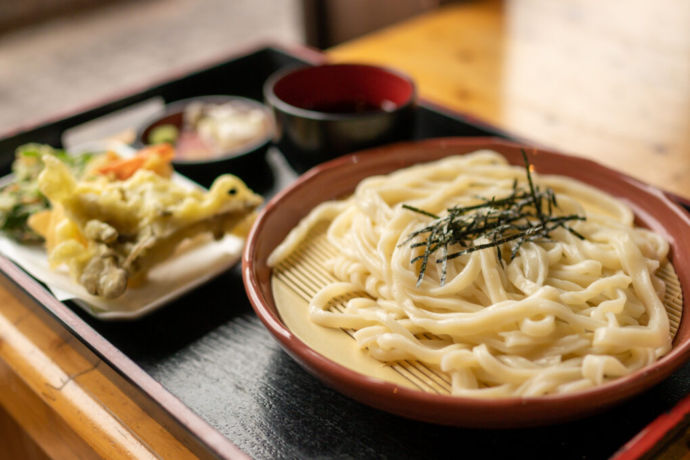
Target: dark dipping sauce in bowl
x,y
325,111
358,106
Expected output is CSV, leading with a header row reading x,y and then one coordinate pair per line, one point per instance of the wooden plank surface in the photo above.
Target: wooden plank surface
x,y
602,79
16,442
63,401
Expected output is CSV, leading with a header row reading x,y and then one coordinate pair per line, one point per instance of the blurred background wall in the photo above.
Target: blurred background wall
x,y
17,13
60,54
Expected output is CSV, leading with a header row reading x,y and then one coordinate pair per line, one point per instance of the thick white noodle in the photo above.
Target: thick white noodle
x,y
561,316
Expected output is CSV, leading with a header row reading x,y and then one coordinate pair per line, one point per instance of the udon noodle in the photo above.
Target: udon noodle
x,y
563,315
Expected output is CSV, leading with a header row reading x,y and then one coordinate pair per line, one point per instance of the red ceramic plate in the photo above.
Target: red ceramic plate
x,y
339,177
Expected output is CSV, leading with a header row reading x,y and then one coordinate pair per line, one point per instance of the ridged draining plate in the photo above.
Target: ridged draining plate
x,y
417,393
296,280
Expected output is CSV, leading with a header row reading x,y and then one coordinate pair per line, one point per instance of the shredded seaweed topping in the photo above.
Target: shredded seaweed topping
x,y
526,214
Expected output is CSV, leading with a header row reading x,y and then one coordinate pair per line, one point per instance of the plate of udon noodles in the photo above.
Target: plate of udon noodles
x,y
474,282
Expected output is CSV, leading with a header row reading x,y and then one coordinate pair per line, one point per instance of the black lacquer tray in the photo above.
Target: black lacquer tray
x,y
209,371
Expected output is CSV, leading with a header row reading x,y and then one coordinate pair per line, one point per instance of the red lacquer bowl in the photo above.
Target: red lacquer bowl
x,y
325,111
337,178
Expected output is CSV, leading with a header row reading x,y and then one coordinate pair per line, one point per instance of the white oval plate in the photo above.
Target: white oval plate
x,y
192,265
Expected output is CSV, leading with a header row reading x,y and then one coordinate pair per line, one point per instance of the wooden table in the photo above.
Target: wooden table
x,y
582,76
599,79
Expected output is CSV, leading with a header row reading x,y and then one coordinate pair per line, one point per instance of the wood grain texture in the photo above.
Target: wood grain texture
x,y
601,79
62,400
15,442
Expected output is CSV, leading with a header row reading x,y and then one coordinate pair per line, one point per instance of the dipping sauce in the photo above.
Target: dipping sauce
x,y
352,106
211,130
